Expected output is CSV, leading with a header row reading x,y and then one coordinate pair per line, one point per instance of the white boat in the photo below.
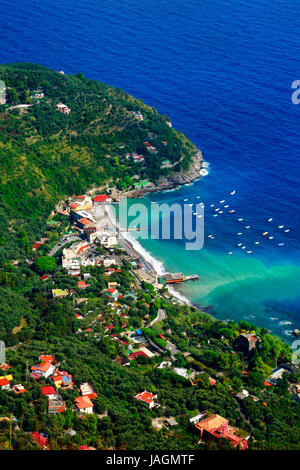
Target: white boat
x,y
240,233
199,216
280,244
240,220
271,238
249,251
280,226
265,233
232,211
198,197
233,193
270,219
217,209
239,244
287,230
243,247
230,252
220,212
195,213
226,207
257,243
248,226
212,205
215,215
185,200
222,202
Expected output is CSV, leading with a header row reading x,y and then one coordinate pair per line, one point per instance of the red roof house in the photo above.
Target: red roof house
x,y
217,427
147,398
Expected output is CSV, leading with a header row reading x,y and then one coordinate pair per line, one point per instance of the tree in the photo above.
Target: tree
x,y
46,264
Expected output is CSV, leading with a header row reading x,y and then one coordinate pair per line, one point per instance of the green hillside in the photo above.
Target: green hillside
x,y
46,154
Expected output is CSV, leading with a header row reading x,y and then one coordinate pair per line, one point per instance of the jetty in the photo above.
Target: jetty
x,y
175,278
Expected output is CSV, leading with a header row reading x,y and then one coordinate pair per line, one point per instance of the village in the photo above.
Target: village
x,y
92,240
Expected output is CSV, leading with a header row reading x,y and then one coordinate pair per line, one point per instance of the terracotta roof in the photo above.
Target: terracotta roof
x,y
3,382
48,390
83,402
101,198
145,397
211,423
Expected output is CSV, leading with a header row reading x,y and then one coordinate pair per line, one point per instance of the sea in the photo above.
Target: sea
x,y
223,72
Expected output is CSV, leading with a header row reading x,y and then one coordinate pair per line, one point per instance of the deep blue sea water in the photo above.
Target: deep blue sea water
x,y
222,71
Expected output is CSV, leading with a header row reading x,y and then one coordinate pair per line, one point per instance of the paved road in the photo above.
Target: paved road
x,y
161,315
64,241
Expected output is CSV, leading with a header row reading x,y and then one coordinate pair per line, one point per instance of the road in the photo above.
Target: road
x,y
161,315
64,241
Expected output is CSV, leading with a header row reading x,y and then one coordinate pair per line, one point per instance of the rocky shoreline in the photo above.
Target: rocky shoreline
x,y
172,181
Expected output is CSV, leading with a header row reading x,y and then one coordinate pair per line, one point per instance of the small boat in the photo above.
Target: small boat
x,y
198,197
212,205
199,216
220,212
243,247
185,200
217,209
230,252
249,251
222,202
232,211
271,238
280,226
248,226
240,220
239,244
287,230
195,213
226,207
257,243
280,244
233,193
240,233
270,219
215,215
265,233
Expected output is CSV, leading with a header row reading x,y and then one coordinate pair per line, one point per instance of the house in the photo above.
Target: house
x,y
101,199
248,342
88,390
244,394
82,285
278,372
4,383
147,398
217,427
45,369
63,108
136,354
84,222
40,439
49,392
84,404
19,389
62,379
56,405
